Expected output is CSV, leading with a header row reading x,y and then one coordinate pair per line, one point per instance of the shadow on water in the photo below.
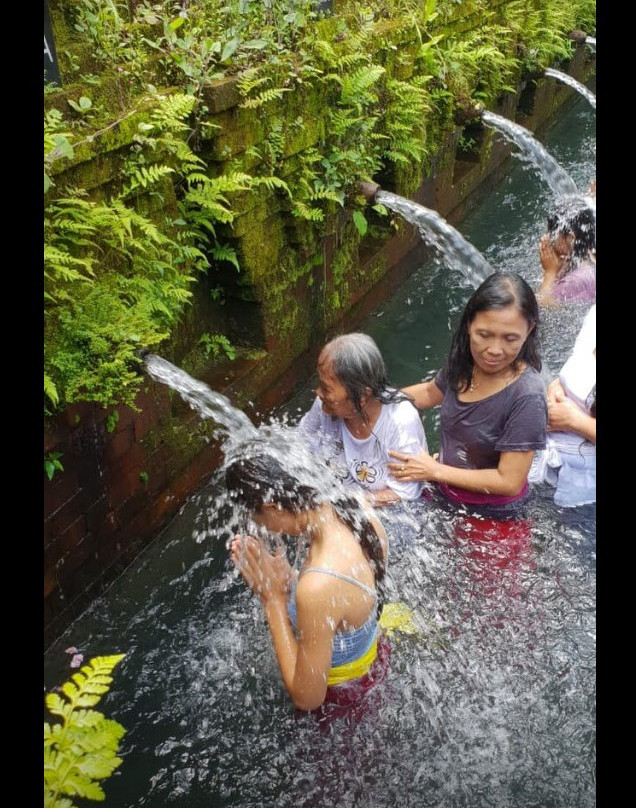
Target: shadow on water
x,y
489,703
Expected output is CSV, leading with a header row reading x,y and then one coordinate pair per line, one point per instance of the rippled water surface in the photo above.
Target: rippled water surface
x,y
490,703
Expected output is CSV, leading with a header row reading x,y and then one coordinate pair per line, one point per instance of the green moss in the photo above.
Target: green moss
x,y
344,262
261,246
239,129
183,438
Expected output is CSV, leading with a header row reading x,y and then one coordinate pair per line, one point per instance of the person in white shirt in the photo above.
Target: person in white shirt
x,y
357,418
569,459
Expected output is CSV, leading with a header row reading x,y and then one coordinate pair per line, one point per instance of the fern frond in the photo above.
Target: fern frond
x,y
302,211
143,177
50,390
271,183
327,193
356,84
172,109
347,60
224,253
250,80
264,97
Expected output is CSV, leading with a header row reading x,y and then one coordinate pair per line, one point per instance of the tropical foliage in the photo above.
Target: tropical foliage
x,y
121,260
81,746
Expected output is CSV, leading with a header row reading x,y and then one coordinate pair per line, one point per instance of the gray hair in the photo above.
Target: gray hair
x,y
358,365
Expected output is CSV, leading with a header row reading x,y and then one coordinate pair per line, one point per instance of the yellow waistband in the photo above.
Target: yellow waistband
x,y
354,670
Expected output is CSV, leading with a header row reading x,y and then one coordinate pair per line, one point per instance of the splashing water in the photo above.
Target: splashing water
x,y
456,252
572,82
240,438
561,184
591,40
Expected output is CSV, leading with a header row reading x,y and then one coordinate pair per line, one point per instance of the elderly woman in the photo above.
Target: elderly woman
x,y
357,418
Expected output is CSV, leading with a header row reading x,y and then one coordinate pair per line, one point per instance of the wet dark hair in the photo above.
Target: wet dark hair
x,y
498,291
259,479
574,215
357,363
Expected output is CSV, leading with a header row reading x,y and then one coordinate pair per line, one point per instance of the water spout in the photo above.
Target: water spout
x,y
465,113
457,253
578,36
368,190
572,82
561,184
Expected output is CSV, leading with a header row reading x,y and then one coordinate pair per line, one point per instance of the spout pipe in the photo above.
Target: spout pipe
x,y
577,35
467,112
369,190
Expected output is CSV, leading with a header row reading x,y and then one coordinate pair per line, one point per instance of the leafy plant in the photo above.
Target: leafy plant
x,y
81,749
57,142
52,464
111,421
82,105
360,222
118,278
214,344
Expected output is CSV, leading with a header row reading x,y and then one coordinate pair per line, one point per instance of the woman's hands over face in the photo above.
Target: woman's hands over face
x,y
549,259
265,573
413,467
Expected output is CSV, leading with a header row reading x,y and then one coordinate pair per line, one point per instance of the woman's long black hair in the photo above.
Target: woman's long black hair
x,y
498,291
255,480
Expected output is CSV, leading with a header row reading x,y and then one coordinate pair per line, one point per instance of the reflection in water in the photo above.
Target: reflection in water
x,y
490,703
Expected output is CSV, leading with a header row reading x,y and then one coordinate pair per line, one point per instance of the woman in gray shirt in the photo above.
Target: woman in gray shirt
x,y
494,412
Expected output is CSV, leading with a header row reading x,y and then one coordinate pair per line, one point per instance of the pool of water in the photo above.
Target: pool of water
x,y
491,702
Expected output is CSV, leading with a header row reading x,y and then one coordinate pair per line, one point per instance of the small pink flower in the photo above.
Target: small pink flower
x,y
77,660
71,650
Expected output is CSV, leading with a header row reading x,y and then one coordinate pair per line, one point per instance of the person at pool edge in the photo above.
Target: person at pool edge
x,y
324,622
357,417
493,405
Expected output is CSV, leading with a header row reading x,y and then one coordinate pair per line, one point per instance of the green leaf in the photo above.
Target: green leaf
x,y
111,421
256,44
360,222
55,704
50,390
229,49
52,464
176,23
